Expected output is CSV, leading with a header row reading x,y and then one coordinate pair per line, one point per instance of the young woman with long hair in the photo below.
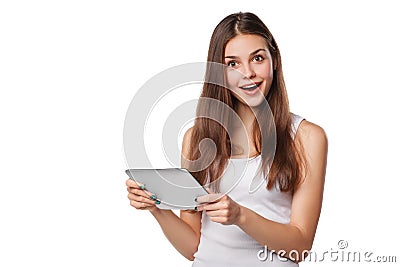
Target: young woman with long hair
x,y
280,212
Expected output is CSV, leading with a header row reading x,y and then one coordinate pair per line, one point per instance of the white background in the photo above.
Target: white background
x,y
69,69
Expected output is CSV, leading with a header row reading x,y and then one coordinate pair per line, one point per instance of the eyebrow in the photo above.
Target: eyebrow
x,y
251,54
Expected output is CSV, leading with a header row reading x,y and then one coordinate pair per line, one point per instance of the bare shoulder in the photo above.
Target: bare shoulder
x,y
310,133
314,142
188,135
186,142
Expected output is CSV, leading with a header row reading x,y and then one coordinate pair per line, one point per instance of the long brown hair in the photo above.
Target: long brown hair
x,y
288,159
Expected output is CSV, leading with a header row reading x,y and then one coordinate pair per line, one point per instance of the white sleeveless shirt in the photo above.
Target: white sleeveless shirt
x,y
228,245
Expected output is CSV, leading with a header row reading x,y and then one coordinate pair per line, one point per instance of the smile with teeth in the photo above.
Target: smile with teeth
x,y
250,87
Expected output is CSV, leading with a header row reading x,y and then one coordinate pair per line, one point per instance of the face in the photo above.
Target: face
x,y
249,72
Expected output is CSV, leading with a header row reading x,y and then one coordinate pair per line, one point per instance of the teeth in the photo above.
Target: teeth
x,y
250,87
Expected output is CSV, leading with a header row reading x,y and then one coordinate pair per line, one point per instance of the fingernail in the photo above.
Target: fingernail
x,y
141,187
153,197
195,199
158,202
195,208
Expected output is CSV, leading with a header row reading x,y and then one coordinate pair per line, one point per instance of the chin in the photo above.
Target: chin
x,y
255,102
251,101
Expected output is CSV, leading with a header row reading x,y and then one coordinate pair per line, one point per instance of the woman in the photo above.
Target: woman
x,y
269,225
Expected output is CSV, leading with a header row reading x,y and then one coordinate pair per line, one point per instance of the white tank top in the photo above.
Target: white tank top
x,y
227,245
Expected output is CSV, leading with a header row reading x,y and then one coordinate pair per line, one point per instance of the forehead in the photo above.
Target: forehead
x,y
244,44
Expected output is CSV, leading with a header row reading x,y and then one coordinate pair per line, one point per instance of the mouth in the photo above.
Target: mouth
x,y
250,87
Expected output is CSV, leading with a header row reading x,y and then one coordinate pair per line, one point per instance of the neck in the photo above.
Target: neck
x,y
246,115
242,139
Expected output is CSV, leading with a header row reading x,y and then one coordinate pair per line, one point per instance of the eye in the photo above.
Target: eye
x,y
258,58
231,63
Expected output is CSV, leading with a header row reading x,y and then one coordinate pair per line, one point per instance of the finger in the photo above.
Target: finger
x,y
208,190
209,198
134,184
140,205
212,206
217,213
142,199
141,192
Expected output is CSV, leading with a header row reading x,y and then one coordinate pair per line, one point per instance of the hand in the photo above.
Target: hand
x,y
222,209
140,198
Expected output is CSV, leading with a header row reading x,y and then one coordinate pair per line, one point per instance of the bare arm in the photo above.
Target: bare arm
x,y
179,231
298,235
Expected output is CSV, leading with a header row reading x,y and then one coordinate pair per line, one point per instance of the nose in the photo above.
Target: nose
x,y
248,71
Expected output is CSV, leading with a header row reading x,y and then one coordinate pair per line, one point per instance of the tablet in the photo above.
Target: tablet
x,y
176,188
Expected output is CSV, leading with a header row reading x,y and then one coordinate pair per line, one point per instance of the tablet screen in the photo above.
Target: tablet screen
x,y
176,188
